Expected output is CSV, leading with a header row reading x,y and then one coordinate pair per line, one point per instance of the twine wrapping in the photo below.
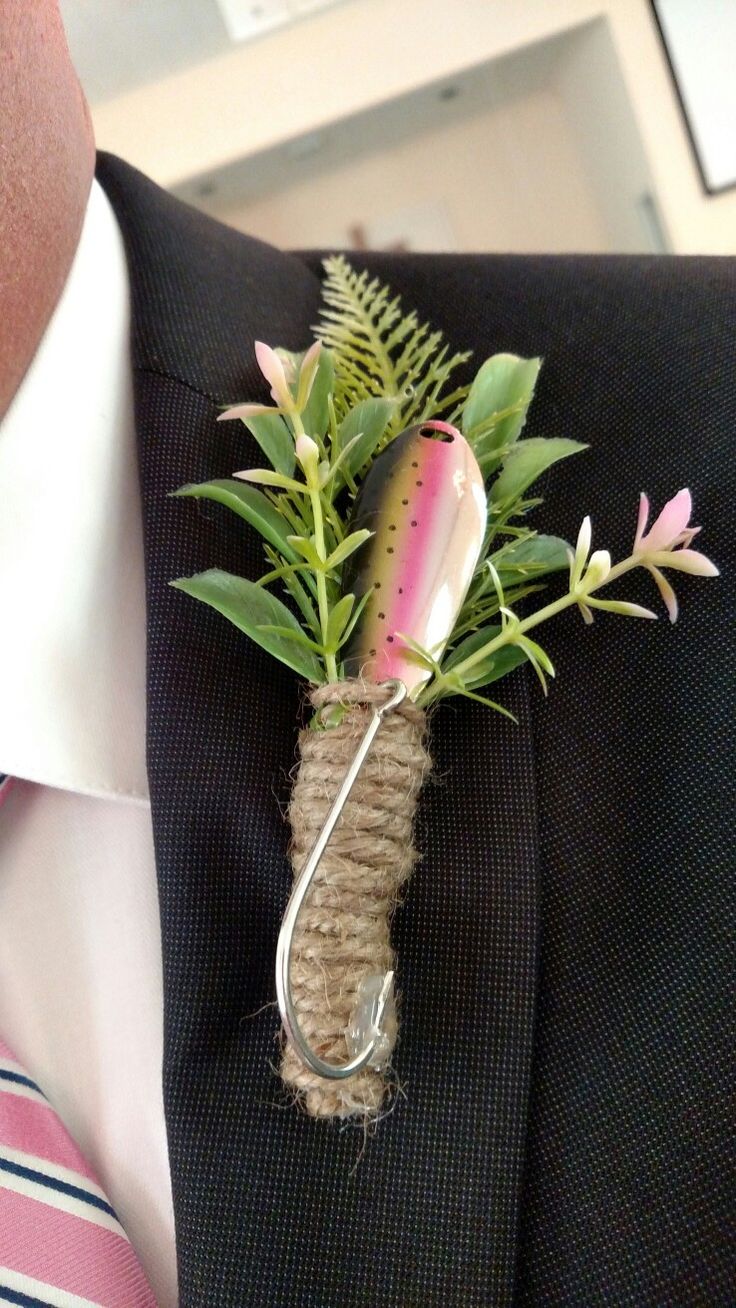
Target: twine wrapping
x,y
342,934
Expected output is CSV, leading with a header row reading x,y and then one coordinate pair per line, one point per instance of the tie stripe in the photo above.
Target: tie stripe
x,y
27,1291
31,1136
17,1078
60,1241
22,1172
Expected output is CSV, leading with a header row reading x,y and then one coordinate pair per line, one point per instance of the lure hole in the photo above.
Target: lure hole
x,y
437,434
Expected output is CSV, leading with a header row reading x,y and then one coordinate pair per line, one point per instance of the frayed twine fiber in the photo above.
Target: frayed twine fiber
x,y
342,934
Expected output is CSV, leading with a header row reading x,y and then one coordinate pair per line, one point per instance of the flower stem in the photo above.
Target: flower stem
x,y
319,543
518,628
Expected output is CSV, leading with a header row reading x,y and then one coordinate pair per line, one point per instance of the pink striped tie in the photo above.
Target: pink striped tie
x,y
60,1241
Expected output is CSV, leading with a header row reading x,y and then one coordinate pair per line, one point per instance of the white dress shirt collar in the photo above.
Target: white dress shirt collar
x,y
72,641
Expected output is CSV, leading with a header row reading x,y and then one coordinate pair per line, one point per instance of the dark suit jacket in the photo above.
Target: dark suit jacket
x,y
563,951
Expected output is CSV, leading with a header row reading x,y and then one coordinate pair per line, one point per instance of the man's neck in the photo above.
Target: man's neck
x,y
47,169
30,286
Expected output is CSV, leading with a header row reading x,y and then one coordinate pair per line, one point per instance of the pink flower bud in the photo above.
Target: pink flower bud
x,y
273,370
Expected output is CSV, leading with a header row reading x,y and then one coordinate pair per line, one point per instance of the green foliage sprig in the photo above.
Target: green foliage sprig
x,y
371,372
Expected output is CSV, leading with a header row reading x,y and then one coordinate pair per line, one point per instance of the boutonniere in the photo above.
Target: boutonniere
x,y
394,516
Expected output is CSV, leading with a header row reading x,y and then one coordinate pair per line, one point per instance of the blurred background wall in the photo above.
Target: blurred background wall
x,y
525,125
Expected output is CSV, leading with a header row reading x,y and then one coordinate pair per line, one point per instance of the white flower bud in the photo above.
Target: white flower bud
x,y
598,569
307,452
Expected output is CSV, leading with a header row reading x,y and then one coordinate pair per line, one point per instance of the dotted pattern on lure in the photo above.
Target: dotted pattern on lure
x,y
425,501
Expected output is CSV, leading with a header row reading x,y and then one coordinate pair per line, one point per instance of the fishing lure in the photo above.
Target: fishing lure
x,y
425,503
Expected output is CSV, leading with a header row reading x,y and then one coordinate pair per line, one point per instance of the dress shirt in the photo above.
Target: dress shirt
x,y
80,947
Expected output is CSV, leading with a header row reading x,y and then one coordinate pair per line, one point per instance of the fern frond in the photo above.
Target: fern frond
x,y
379,351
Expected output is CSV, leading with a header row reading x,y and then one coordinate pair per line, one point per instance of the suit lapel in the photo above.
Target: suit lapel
x,y
271,1207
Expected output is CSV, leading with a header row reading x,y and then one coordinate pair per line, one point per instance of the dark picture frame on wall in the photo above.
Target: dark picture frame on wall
x,y
699,39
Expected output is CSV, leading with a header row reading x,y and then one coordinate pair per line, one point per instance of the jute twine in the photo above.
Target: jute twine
x,y
342,934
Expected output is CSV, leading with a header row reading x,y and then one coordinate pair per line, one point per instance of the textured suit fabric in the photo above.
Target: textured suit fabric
x,y
563,952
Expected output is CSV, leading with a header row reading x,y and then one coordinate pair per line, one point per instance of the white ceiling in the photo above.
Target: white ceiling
x,y
425,109
117,45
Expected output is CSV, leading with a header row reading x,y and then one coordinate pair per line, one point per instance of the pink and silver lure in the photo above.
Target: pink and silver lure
x,y
425,502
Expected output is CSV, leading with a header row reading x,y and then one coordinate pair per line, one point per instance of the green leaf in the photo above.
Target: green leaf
x,y
497,583
307,373
535,651
505,382
337,621
620,606
285,570
347,633
540,661
299,637
316,415
275,440
365,425
298,592
527,461
338,471
489,703
497,664
454,685
416,653
251,608
347,547
268,478
248,503
308,550
533,557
